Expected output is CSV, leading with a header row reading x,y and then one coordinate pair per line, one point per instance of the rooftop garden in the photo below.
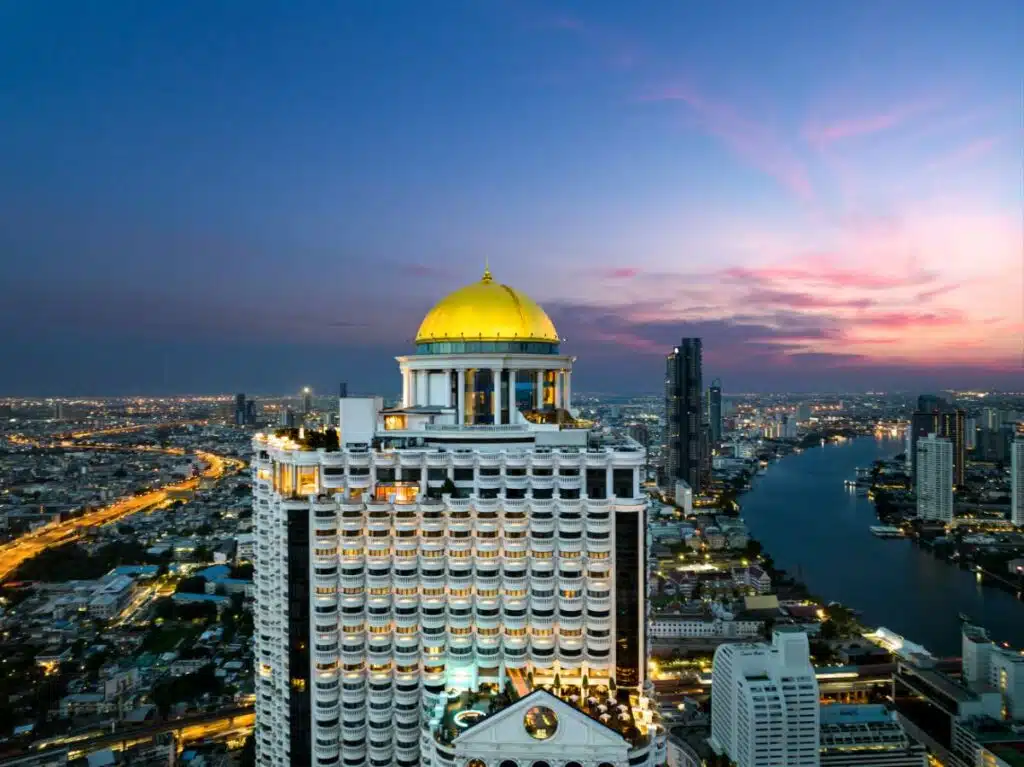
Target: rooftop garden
x,y
609,706
309,439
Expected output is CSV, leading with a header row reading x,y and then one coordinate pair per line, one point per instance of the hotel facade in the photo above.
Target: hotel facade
x,y
457,581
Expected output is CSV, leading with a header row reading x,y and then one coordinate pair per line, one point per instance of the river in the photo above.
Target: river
x,y
810,523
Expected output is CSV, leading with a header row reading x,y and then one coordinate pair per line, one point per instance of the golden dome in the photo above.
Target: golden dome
x,y
486,311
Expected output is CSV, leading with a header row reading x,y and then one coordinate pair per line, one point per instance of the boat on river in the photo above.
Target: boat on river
x,y
886,531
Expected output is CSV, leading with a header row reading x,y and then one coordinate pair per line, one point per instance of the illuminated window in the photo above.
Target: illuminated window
x,y
299,684
392,422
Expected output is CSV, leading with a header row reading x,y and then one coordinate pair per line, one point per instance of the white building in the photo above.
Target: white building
x,y
866,735
429,566
935,478
705,627
764,703
1017,482
988,666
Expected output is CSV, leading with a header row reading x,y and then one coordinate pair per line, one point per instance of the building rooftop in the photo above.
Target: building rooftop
x,y
854,714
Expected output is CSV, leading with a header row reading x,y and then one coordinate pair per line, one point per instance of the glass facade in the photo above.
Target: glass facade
x,y
487,347
630,578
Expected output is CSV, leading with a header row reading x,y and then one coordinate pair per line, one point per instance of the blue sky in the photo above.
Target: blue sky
x,y
217,196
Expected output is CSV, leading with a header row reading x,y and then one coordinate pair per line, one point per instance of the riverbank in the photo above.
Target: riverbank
x,y
980,545
817,533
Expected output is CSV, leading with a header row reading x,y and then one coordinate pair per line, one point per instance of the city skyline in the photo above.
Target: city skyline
x,y
834,209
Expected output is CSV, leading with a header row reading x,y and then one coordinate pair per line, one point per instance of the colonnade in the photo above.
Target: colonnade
x,y
416,389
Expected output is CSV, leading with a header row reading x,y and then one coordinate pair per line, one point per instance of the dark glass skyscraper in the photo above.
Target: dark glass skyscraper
x,y
684,414
934,415
240,409
715,410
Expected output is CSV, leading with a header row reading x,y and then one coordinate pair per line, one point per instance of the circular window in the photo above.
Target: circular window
x,y
508,763
573,764
540,764
541,723
476,763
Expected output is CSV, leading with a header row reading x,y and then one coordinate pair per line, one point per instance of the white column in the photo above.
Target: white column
x,y
496,395
413,390
567,391
423,387
540,390
608,483
558,389
448,387
636,483
406,388
461,404
512,396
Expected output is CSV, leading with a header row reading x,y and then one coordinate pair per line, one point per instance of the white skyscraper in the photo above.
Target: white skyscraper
x,y
1017,482
764,703
430,566
935,478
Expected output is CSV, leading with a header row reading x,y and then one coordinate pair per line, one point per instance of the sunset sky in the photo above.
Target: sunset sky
x,y
203,196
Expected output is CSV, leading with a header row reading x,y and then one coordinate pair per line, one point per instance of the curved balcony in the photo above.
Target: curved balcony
x,y
437,460
489,460
542,483
488,482
570,544
542,653
569,483
463,459
542,458
325,752
517,458
358,481
570,653
410,459
406,548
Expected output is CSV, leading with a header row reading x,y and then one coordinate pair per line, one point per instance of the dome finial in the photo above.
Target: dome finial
x,y
487,270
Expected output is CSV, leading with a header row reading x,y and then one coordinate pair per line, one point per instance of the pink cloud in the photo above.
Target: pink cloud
x,y
791,300
828,276
864,125
621,273
971,151
747,138
928,295
905,320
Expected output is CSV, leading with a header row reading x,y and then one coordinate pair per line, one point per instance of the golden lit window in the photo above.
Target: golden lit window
x,y
392,422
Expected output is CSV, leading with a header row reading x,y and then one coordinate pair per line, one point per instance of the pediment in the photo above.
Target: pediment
x,y
541,722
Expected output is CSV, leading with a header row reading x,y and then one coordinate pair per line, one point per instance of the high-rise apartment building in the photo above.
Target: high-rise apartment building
x,y
953,426
934,415
1017,482
764,703
715,410
307,400
684,415
935,478
240,409
433,566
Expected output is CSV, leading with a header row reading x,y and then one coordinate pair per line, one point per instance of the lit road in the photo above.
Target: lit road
x,y
219,725
13,554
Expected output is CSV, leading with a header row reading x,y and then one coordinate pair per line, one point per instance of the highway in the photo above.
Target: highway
x,y
13,554
189,729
